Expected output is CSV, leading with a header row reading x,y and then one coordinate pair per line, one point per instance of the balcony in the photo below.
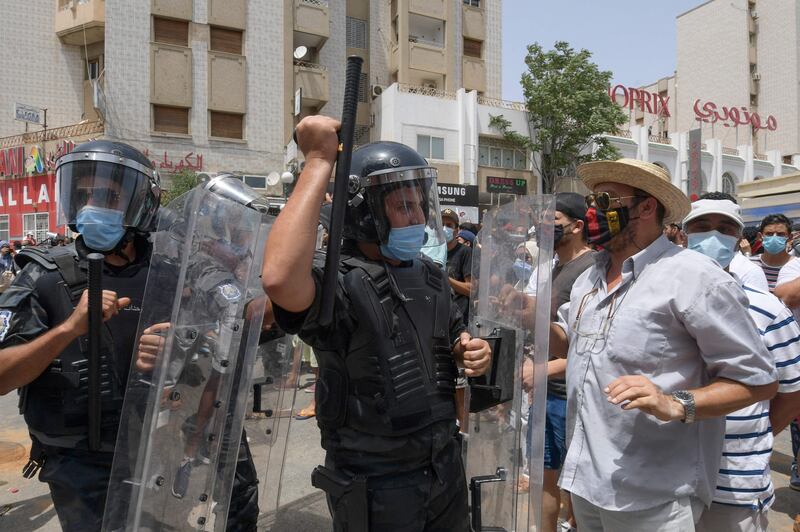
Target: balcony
x,y
427,56
171,76
311,23
226,82
313,79
428,8
228,13
474,73
474,23
80,22
179,9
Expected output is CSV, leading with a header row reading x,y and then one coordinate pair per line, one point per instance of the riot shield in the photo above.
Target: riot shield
x,y
505,435
187,389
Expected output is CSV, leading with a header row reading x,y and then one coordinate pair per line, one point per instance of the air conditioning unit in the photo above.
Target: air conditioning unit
x,y
756,76
376,90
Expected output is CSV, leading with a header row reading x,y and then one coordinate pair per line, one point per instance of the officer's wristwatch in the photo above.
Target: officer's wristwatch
x,y
687,400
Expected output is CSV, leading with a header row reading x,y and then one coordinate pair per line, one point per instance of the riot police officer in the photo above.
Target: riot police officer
x,y
388,360
109,192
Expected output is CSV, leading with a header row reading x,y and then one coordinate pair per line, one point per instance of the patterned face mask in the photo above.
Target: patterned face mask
x,y
605,225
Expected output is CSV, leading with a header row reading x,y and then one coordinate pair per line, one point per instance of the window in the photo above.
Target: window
x,y
495,157
430,147
93,68
223,40
255,181
38,224
356,33
483,155
4,233
520,160
171,31
498,154
472,48
728,184
363,87
227,125
170,119
473,3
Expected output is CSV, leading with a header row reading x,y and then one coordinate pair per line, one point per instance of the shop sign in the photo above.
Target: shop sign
x,y
710,113
171,163
15,163
25,191
26,113
650,102
466,195
507,185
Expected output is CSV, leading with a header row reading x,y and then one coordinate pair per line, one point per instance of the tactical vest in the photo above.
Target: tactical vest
x,y
398,374
55,404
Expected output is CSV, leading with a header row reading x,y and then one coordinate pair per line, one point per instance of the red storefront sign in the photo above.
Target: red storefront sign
x,y
28,195
651,102
732,116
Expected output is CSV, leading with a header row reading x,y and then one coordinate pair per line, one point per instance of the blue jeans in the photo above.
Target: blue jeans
x,y
555,432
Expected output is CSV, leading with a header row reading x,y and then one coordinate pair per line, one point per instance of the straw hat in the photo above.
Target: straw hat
x,y
642,175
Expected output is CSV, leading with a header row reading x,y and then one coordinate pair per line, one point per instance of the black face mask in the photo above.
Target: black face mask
x,y
605,225
558,233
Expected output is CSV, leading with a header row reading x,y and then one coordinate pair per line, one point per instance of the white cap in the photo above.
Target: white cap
x,y
710,206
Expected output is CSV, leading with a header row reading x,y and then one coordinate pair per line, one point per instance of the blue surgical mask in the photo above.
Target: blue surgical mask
x,y
100,228
714,244
448,233
404,242
522,270
774,244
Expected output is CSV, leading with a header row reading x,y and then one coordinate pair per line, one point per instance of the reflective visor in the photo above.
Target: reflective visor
x,y
103,181
406,200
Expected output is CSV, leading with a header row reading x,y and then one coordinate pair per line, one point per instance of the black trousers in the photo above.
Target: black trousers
x,y
417,501
78,483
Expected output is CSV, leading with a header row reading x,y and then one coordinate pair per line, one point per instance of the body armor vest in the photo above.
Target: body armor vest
x,y
398,374
55,404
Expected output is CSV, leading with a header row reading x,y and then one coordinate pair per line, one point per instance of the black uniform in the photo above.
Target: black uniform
x,y
385,395
43,295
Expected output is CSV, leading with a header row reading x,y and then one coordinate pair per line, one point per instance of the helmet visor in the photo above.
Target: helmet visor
x,y
106,185
405,206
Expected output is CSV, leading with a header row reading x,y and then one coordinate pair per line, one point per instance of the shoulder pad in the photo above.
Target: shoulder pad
x,y
374,269
47,258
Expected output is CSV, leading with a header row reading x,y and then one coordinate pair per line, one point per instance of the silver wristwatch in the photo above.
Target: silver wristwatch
x,y
687,400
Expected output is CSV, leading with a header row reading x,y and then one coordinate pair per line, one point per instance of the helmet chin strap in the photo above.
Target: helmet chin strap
x,y
117,250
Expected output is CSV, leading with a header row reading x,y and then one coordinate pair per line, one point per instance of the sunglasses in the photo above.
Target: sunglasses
x,y
603,200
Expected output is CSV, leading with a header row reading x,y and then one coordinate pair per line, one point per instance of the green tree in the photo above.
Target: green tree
x,y
182,182
566,95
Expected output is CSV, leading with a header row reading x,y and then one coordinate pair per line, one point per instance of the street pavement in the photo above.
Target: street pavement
x,y
25,505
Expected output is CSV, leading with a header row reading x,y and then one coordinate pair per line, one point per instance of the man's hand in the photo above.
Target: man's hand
x,y
78,322
474,353
318,138
635,391
527,375
151,345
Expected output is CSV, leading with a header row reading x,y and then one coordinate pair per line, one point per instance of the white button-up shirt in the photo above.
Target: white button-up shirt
x,y
681,321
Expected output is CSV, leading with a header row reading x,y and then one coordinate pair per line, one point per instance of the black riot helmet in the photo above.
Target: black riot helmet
x,y
391,187
109,192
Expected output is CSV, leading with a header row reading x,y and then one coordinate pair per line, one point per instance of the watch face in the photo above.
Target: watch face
x,y
683,395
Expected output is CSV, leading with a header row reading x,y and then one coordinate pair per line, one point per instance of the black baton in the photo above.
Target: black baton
x,y
349,108
95,324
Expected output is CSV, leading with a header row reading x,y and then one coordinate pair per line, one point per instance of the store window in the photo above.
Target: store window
x,y
37,223
4,232
430,147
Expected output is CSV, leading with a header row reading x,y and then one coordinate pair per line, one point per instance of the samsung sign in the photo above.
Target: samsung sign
x,y
26,113
464,195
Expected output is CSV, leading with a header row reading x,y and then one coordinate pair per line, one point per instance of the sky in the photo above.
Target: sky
x,y
635,39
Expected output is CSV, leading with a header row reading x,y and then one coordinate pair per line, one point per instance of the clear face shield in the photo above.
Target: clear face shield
x,y
101,195
405,206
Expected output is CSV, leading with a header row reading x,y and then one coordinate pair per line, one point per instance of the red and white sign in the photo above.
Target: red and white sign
x,y
28,195
650,102
710,113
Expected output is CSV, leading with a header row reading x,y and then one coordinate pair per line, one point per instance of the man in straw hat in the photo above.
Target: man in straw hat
x,y
660,348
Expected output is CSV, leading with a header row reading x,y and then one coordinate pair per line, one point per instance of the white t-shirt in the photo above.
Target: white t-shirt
x,y
789,272
749,272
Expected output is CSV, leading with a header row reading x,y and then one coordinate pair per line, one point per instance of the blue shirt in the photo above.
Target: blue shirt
x,y
681,321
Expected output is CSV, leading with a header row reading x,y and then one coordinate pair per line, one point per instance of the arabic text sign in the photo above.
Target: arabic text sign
x,y
26,113
190,161
710,113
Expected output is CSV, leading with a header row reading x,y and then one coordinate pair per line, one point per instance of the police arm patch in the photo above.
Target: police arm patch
x,y
230,292
5,323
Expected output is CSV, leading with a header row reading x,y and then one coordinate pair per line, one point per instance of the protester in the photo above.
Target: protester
x,y
746,270
750,245
466,238
392,443
658,339
774,234
675,234
744,491
8,269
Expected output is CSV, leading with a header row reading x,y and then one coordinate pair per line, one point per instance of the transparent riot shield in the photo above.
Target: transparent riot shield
x,y
187,390
507,405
